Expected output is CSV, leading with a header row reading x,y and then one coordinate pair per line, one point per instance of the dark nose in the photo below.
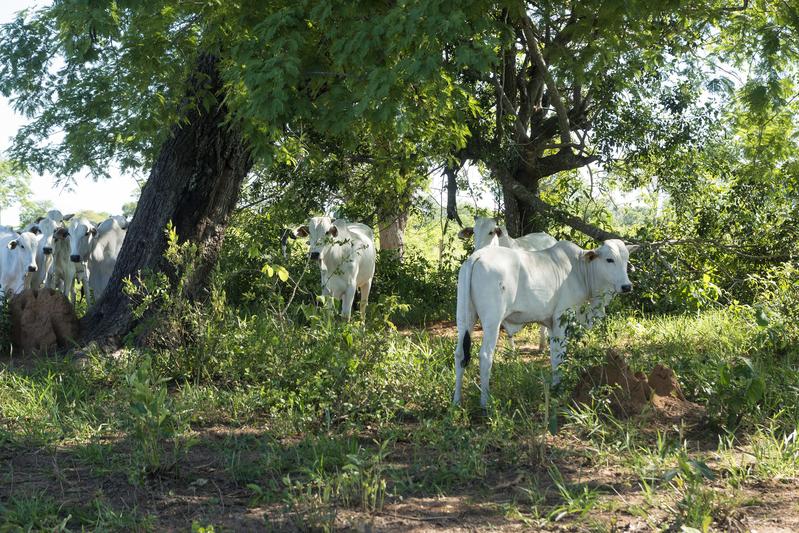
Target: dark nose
x,y
626,288
74,258
32,268
314,256
47,250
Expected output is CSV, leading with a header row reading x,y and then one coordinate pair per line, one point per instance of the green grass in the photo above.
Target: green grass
x,y
301,420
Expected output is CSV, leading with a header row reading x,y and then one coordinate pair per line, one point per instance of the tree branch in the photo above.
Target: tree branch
x,y
554,213
505,102
535,50
452,191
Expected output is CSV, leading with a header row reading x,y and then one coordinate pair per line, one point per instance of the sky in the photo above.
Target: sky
x,y
83,193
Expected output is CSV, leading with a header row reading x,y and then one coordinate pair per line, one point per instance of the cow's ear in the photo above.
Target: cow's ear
x,y
12,245
498,232
591,255
92,231
302,231
67,217
334,231
465,233
632,248
35,230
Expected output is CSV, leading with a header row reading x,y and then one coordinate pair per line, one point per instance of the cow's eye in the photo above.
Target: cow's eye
x,y
610,260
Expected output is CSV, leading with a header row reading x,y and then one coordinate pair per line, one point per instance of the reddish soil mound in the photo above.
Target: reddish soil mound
x,y
664,382
631,393
41,321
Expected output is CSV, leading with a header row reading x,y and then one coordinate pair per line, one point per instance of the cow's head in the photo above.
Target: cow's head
x,y
81,234
25,246
321,233
609,264
486,232
48,227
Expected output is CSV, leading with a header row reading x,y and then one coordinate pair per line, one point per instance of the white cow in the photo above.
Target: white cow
x,y
17,260
81,234
64,272
509,288
44,253
346,254
487,232
105,247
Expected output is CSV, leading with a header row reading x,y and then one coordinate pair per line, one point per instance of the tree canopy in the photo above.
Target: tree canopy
x,y
360,101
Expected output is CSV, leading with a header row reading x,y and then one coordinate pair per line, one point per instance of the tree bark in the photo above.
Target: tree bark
x,y
452,193
392,233
194,183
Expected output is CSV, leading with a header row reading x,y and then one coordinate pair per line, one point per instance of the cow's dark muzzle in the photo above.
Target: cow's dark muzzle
x,y
314,256
626,288
74,258
47,250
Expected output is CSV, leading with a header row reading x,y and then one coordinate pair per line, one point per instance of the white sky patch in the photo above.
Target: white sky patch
x,y
83,193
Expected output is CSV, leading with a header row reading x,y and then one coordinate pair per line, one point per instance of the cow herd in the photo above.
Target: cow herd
x,y
59,250
505,283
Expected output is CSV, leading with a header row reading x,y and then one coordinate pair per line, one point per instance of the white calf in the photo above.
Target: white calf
x,y
509,288
346,254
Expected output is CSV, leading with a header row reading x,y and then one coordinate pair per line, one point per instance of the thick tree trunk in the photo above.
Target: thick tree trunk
x,y
392,233
520,218
195,184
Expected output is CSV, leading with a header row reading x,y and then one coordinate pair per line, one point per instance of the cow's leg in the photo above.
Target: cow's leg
x,y
490,336
542,338
511,330
365,288
557,346
346,302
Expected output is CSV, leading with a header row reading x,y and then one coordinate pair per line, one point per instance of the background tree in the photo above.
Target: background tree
x,y
201,93
30,210
14,186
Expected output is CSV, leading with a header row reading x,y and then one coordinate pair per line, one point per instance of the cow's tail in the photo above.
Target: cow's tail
x,y
465,315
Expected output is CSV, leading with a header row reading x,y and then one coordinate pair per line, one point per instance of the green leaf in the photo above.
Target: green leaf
x,y
762,318
282,273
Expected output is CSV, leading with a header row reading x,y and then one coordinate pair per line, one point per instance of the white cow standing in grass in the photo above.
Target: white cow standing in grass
x,y
81,235
64,271
44,253
346,254
510,288
17,259
105,247
487,232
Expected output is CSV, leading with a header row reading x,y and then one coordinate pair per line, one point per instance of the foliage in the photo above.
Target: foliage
x,y
14,185
31,210
5,327
152,422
